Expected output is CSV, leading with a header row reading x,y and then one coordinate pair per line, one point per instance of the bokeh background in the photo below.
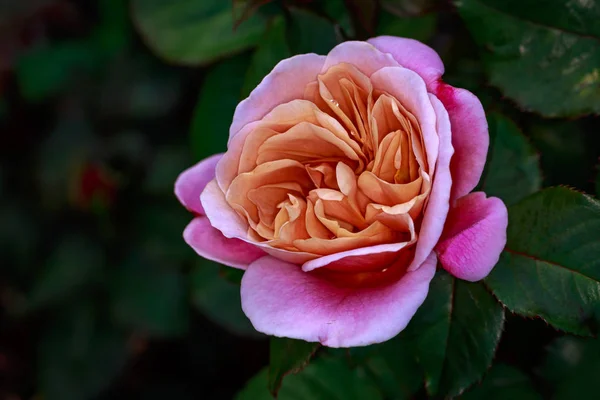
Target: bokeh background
x,y
102,104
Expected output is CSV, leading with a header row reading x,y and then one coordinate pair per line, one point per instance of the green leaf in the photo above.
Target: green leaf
x,y
287,356
567,151
220,94
513,170
572,366
394,368
44,70
218,299
420,28
74,265
323,379
272,49
310,33
543,57
149,299
457,330
503,382
193,32
550,267
114,32
78,357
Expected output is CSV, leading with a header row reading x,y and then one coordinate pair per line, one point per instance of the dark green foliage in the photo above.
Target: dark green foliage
x,y
543,56
287,356
551,265
103,104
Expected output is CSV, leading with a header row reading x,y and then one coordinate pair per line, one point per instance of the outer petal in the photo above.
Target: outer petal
x,y
286,82
192,182
282,300
439,199
211,244
474,236
364,56
470,137
413,55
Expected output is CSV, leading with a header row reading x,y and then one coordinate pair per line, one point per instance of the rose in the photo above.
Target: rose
x,y
346,178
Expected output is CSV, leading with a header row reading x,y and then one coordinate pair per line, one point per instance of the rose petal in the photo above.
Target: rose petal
x,y
439,199
282,300
413,55
231,225
474,236
470,137
409,88
209,243
362,55
192,182
220,214
276,89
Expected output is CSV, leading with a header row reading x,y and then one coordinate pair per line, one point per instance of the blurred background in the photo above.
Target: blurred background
x,y
102,104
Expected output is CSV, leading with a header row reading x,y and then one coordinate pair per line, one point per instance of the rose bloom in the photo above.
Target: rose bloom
x,y
346,179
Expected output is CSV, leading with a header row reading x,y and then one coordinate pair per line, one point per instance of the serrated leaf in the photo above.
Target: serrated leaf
x,y
272,49
513,170
78,357
219,95
287,356
457,330
219,299
149,299
572,366
193,32
550,267
503,382
543,57
323,379
310,33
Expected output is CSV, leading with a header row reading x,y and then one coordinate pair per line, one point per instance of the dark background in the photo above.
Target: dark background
x,y
100,298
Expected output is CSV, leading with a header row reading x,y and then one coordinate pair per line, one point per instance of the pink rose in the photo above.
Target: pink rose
x,y
347,177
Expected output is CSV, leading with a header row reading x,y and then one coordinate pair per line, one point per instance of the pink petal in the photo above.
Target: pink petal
x,y
286,82
220,214
362,258
362,55
413,55
282,300
470,137
439,199
209,243
474,236
192,181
